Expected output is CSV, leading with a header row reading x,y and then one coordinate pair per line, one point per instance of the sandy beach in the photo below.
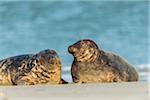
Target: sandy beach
x,y
106,91
117,26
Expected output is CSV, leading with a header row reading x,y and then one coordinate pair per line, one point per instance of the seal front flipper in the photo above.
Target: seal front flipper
x,y
5,76
62,81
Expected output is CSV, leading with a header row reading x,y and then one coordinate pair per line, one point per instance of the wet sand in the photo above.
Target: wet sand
x,y
105,91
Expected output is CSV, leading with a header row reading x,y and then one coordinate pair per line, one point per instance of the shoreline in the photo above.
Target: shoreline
x,y
101,91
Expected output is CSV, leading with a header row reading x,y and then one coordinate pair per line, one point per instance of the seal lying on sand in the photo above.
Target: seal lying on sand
x,y
94,65
41,68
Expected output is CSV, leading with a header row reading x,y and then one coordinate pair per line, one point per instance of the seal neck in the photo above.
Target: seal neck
x,y
102,58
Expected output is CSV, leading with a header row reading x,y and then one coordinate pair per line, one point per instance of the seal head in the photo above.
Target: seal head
x,y
84,50
48,58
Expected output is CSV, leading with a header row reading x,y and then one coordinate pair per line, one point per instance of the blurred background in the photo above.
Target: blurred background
x,y
117,26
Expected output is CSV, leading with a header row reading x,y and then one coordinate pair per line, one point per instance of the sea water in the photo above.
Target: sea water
x,y
116,26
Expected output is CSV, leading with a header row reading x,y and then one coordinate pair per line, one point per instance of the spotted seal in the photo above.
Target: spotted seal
x,y
30,69
92,65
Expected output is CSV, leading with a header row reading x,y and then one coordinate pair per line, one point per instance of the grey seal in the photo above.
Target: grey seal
x,y
92,64
31,69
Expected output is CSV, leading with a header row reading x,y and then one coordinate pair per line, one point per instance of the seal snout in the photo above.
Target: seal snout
x,y
72,49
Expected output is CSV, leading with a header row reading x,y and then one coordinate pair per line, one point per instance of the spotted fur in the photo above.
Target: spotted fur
x,y
94,65
30,69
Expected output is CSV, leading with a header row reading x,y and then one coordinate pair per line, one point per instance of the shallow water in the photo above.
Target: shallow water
x,y
120,27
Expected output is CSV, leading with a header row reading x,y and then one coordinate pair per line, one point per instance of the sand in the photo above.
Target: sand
x,y
105,91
